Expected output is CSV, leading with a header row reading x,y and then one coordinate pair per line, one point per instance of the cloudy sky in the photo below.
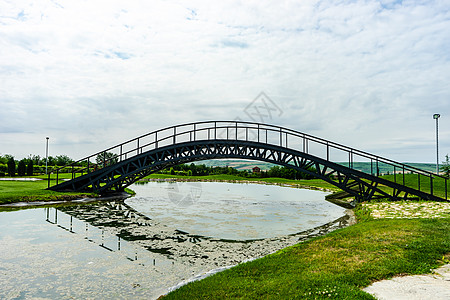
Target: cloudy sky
x,y
92,74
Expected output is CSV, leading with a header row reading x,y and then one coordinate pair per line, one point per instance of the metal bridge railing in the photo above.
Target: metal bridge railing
x,y
262,133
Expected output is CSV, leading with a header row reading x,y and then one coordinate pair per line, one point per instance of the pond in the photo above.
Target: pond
x,y
140,247
236,211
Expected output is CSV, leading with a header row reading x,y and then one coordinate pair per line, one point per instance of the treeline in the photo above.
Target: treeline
x,y
203,170
30,166
34,165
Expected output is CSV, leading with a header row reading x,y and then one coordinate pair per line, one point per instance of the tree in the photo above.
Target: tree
x,y
36,159
62,160
11,166
30,168
106,159
50,161
21,168
3,169
446,166
4,159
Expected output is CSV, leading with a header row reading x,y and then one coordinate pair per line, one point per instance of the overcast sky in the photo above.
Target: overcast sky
x,y
92,74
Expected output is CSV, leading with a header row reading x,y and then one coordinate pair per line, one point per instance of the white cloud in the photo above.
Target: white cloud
x,y
368,74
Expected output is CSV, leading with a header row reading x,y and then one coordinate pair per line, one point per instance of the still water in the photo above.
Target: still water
x,y
166,234
236,211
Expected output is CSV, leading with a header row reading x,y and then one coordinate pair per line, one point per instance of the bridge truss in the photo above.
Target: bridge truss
x,y
122,165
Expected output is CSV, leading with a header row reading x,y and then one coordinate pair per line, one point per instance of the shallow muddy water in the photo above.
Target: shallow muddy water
x,y
236,211
140,247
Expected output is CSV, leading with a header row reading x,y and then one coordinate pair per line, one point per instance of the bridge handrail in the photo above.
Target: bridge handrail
x,y
196,127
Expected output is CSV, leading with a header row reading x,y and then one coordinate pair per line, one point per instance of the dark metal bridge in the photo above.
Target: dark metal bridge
x,y
128,162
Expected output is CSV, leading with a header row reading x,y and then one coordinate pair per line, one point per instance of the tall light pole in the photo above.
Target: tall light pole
x,y
436,117
46,156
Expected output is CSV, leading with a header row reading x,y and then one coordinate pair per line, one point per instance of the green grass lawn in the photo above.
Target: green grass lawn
x,y
423,183
27,191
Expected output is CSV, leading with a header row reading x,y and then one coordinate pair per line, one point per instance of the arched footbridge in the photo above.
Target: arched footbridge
x,y
337,164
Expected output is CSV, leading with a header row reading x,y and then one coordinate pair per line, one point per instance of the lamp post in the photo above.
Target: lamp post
x,y
436,117
46,156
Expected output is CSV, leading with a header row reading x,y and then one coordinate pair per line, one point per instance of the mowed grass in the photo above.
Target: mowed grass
x,y
335,266
422,183
28,191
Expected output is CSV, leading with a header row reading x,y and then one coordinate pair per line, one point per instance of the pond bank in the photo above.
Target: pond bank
x,y
65,199
242,252
337,265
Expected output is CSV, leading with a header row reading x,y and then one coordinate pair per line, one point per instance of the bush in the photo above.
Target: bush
x,y
38,169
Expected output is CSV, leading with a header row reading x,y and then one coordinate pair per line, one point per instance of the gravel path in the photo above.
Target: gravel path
x,y
435,286
409,209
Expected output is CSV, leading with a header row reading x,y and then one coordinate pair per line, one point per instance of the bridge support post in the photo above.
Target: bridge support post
x,y
446,182
431,185
395,175
175,134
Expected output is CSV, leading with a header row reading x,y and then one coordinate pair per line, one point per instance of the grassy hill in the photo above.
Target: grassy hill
x,y
362,166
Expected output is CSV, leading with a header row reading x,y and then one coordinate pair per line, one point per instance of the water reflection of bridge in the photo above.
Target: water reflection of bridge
x,y
117,227
103,224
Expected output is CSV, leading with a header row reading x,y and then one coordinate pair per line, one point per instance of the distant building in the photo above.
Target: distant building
x,y
256,170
